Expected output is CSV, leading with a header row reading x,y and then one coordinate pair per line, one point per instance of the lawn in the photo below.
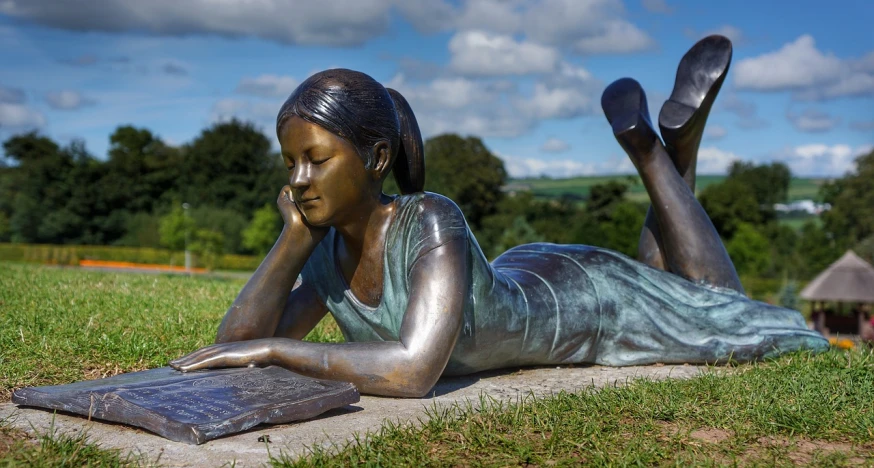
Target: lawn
x,y
62,325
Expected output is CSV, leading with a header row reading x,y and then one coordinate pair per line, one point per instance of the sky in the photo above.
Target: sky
x,y
524,75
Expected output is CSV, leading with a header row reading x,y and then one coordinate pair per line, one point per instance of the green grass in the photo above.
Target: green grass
x,y
61,325
798,409
799,188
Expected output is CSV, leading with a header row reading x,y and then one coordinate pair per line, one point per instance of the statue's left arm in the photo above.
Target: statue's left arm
x,y
439,284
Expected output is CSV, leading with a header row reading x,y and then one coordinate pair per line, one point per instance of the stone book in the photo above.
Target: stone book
x,y
197,406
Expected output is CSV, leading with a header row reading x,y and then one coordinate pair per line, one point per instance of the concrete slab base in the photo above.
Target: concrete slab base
x,y
337,426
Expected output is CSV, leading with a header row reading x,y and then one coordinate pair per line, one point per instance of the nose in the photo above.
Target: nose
x,y
300,177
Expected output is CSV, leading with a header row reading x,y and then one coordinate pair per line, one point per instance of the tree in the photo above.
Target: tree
x,y
769,183
231,165
623,227
519,232
604,197
851,217
817,248
729,205
207,245
789,295
748,250
263,231
464,170
48,187
141,173
176,229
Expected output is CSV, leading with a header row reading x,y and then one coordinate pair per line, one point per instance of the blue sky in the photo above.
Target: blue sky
x,y
525,75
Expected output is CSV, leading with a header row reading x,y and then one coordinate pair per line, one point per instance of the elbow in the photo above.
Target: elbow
x,y
406,380
416,379
411,388
419,389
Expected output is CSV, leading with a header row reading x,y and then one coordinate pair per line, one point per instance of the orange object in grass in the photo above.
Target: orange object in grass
x,y
137,266
842,343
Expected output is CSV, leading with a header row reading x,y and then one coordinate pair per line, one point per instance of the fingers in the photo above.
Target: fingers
x,y
285,196
217,356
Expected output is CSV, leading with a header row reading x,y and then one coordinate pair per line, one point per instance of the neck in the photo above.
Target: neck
x,y
369,228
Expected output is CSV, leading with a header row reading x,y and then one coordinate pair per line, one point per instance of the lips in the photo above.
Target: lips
x,y
308,200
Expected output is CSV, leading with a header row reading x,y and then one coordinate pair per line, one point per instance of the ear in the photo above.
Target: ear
x,y
382,160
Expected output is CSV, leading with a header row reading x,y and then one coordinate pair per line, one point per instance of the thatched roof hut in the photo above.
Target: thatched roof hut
x,y
848,280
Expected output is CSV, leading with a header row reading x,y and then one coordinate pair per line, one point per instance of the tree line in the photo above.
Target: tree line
x,y
229,177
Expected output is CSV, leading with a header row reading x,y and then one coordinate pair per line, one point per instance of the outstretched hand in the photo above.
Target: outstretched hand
x,y
251,353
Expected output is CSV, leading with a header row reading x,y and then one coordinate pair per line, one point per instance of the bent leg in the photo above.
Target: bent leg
x,y
690,244
682,119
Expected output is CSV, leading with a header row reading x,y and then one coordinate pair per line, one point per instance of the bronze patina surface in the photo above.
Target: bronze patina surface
x,y
198,406
416,298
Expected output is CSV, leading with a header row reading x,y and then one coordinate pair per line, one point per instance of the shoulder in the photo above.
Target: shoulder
x,y
429,220
431,209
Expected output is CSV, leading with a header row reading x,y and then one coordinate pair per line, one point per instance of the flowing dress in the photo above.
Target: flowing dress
x,y
543,303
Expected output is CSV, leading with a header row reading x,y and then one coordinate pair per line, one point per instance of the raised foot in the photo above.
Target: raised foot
x,y
683,116
624,104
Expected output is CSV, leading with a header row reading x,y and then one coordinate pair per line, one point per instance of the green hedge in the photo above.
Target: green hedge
x,y
71,254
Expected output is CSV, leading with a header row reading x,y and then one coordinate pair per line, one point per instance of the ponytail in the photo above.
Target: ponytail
x,y
409,165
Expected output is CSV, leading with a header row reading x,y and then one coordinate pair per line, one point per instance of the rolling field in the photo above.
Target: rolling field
x,y
799,188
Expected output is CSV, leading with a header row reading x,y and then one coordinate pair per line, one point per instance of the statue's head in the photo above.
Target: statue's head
x,y
370,117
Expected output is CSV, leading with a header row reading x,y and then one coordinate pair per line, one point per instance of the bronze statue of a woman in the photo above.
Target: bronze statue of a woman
x,y
416,298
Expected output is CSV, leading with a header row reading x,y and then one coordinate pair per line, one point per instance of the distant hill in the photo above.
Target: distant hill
x,y
578,187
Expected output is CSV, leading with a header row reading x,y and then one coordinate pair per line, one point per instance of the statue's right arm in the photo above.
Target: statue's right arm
x,y
267,297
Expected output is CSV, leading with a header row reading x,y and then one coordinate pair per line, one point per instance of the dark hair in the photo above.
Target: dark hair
x,y
354,106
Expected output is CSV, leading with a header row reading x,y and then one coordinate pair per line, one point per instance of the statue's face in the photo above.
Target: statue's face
x,y
327,176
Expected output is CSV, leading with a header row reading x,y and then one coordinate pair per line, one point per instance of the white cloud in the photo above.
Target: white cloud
x,y
733,33
715,132
443,93
68,100
821,160
555,145
812,120
863,126
746,112
520,167
617,37
496,107
586,26
796,65
461,105
336,23
267,85
481,53
175,67
799,66
20,117
260,112
712,160
12,95
557,102
498,16
656,6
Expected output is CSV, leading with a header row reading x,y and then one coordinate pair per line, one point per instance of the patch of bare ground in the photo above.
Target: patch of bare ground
x,y
802,451
709,435
10,438
795,450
